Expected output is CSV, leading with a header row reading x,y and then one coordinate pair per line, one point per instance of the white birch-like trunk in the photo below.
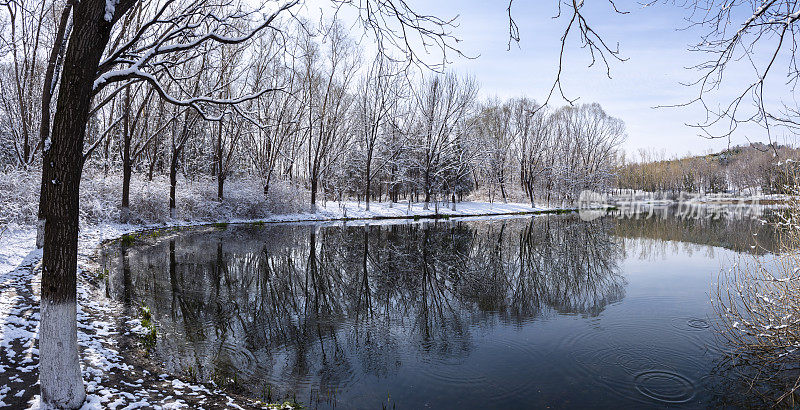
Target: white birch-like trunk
x,y
60,370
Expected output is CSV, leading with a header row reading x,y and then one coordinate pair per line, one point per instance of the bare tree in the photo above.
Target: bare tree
x,y
21,79
280,114
493,125
378,96
530,126
753,36
131,151
442,102
327,79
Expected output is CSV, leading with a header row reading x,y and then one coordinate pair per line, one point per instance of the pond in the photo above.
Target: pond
x,y
510,312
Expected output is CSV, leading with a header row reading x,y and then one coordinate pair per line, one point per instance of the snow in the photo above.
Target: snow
x,y
16,245
354,210
111,6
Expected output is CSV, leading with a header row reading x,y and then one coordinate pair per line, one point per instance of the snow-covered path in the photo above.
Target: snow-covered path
x,y
110,381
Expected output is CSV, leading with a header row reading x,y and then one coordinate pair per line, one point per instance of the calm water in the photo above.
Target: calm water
x,y
512,313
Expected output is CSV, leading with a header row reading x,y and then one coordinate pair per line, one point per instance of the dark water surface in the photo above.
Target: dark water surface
x,y
503,313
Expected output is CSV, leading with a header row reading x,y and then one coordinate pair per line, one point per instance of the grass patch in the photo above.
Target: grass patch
x,y
220,225
190,373
148,338
157,233
267,401
127,240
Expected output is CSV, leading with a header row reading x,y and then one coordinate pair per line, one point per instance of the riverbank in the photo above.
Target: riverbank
x,y
111,381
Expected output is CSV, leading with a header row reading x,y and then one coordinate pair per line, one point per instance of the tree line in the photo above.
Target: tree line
x,y
315,112
751,169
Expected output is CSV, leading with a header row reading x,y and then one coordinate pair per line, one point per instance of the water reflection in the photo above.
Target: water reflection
x,y
287,309
446,314
666,231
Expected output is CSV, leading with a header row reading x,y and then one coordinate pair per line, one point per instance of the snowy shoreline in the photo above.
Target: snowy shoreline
x,y
111,382
18,240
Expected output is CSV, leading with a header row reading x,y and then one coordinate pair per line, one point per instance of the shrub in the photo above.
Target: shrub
x,y
758,304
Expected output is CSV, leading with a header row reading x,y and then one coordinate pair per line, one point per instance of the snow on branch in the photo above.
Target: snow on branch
x,y
196,102
162,48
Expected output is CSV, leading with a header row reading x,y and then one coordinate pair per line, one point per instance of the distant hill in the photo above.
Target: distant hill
x,y
755,168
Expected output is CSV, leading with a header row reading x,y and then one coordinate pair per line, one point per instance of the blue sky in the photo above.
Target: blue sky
x,y
653,39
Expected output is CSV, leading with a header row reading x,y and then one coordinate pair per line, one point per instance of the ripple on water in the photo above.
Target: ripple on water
x,y
692,324
664,386
514,360
456,376
500,368
239,358
694,330
636,373
639,361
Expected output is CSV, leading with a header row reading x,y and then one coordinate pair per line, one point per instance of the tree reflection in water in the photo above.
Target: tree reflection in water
x,y
291,309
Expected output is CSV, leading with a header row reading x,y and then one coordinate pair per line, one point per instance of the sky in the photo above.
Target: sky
x,y
653,40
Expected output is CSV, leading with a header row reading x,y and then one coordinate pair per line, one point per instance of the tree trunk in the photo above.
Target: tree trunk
x,y
366,194
150,169
220,172
503,191
47,96
59,365
220,186
266,184
173,181
427,190
126,159
530,192
313,194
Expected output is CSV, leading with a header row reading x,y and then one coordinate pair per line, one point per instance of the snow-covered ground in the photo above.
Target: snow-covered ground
x,y
354,210
110,382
